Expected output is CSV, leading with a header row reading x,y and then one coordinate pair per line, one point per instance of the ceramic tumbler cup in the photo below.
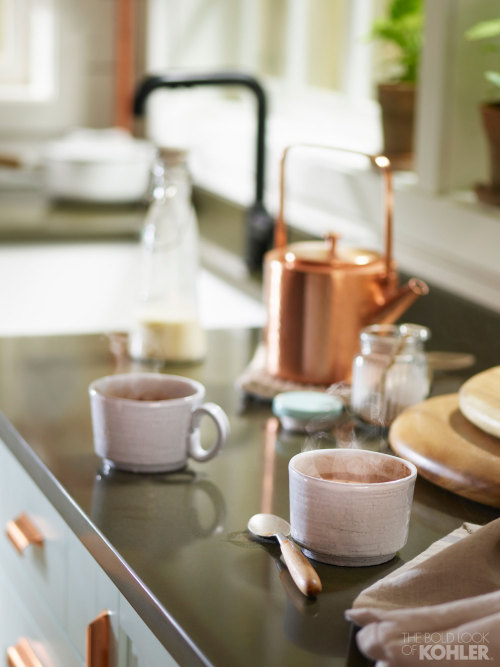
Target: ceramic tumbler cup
x,y
350,506
149,422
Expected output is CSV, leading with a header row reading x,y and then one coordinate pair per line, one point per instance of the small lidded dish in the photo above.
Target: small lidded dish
x,y
307,411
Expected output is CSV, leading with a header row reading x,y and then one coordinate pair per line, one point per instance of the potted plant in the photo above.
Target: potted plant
x,y
402,29
490,111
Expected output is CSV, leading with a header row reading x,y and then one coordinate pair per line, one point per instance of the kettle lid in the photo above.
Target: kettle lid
x,y
328,253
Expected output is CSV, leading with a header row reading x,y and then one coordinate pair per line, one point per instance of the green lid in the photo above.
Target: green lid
x,y
306,405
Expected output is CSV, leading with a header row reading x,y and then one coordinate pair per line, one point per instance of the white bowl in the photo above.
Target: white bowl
x,y
102,166
119,182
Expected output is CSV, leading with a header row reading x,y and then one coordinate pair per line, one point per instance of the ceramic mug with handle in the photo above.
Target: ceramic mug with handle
x,y
149,422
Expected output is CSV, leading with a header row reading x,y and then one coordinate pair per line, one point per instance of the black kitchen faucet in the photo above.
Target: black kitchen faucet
x,y
259,224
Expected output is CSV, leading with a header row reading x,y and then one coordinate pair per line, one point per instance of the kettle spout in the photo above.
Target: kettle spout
x,y
400,302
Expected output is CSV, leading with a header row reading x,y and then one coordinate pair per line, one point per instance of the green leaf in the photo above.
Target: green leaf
x,y
484,30
401,8
493,77
403,27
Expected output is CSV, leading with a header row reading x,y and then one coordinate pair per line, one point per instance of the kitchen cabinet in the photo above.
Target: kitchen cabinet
x,y
32,580
43,564
88,593
50,592
138,646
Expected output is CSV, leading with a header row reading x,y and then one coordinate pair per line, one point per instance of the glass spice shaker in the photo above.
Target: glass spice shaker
x,y
390,373
167,324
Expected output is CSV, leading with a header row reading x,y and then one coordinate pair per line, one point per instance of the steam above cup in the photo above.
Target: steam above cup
x,y
149,422
350,506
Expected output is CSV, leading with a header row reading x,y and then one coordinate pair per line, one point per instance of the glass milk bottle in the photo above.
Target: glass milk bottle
x,y
167,324
390,373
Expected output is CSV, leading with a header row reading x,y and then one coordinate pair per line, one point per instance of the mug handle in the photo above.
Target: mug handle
x,y
219,418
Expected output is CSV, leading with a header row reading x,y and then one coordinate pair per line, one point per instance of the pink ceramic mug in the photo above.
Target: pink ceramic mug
x,y
149,422
350,506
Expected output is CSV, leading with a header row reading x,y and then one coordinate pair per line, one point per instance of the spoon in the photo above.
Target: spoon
x,y
268,526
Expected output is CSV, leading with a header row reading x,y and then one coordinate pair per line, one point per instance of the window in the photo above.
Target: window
x,y
13,44
316,43
312,55
57,67
27,50
319,74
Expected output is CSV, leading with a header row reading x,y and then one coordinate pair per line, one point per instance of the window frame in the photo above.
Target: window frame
x,y
13,62
35,21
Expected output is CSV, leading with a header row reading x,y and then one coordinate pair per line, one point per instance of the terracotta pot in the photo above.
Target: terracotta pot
x,y
491,123
397,103
489,193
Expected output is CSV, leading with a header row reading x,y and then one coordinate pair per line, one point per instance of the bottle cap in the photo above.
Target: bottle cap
x,y
173,155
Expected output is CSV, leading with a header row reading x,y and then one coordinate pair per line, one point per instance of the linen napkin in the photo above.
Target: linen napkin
x,y
442,606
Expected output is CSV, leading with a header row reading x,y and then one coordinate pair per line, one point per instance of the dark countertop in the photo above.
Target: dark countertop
x,y
210,594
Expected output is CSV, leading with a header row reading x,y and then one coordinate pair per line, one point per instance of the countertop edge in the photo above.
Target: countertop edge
x,y
157,619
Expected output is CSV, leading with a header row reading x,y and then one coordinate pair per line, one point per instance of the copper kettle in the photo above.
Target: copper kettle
x,y
319,296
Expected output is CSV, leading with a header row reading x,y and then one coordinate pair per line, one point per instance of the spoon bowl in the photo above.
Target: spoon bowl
x,y
268,527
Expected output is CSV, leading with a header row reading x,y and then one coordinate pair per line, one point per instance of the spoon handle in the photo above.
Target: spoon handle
x,y
304,575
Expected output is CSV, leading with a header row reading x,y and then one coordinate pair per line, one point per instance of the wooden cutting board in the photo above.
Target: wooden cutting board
x,y
479,400
448,449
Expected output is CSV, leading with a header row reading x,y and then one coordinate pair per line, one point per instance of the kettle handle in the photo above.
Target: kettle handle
x,y
380,161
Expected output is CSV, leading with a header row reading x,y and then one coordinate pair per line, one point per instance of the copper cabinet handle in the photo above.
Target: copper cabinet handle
x,y
22,532
98,638
22,655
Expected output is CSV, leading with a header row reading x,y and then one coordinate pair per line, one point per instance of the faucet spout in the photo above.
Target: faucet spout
x,y
259,224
